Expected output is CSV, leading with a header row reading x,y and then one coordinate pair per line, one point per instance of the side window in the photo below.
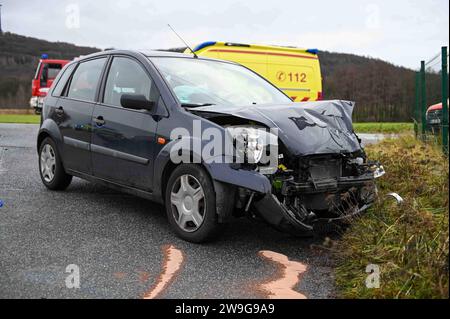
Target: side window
x,y
58,90
126,76
85,80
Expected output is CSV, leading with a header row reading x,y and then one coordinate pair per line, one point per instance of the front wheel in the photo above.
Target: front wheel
x,y
191,204
50,166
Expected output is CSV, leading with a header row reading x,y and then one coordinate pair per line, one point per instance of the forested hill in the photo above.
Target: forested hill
x,y
382,91
19,57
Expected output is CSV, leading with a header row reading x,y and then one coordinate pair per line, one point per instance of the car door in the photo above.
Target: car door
x,y
73,114
123,139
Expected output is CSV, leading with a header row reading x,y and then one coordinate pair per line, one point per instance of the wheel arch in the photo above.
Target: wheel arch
x,y
49,129
224,193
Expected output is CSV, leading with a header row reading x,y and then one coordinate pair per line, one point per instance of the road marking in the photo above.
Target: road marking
x,y
143,276
119,275
289,272
173,261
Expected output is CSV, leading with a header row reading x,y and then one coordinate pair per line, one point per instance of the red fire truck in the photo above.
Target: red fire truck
x,y
46,72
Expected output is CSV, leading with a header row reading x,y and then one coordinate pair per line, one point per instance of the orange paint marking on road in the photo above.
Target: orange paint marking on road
x,y
283,287
119,275
144,276
173,261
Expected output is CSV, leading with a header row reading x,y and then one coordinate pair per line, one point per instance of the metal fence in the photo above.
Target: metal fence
x,y
431,100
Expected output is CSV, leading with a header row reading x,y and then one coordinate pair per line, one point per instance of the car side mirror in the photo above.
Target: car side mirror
x,y
136,102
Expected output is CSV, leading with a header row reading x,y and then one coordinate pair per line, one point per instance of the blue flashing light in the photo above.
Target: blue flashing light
x,y
44,56
204,45
313,51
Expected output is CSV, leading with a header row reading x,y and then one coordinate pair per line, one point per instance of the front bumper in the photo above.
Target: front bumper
x,y
281,217
323,204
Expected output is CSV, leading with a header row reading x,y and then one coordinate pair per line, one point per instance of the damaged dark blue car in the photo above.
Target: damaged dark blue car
x,y
128,119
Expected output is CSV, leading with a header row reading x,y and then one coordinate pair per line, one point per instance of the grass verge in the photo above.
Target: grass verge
x,y
20,118
386,128
409,242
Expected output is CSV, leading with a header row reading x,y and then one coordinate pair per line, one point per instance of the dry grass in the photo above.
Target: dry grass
x,y
410,242
17,111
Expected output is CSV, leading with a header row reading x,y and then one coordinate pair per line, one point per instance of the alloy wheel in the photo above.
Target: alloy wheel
x,y
48,163
188,203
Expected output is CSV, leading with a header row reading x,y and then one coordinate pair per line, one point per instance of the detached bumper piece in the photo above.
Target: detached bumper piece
x,y
281,217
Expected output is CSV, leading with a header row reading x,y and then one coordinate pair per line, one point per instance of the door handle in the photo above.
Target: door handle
x,y
59,110
99,121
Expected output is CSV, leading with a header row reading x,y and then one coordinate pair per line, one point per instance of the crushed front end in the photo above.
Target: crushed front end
x,y
316,193
321,176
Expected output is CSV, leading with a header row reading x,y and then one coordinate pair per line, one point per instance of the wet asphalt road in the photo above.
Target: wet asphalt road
x,y
117,241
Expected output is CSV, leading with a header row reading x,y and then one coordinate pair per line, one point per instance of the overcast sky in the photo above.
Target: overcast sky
x,y
400,31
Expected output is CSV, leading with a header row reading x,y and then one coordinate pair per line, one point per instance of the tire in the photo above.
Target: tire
x,y
51,171
190,226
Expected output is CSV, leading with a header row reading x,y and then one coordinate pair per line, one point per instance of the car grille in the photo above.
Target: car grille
x,y
322,169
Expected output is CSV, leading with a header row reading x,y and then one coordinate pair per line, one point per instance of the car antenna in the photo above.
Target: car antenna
x,y
195,55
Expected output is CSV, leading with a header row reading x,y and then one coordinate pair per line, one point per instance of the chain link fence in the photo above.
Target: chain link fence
x,y
431,100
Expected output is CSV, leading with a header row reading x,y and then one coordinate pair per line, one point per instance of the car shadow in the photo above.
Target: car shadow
x,y
237,231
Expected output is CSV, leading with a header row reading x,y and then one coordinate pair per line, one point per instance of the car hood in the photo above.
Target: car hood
x,y
306,128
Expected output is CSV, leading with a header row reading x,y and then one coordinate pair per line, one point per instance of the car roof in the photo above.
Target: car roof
x,y
158,53
148,54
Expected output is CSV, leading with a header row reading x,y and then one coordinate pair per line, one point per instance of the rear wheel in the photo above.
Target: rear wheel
x,y
50,166
191,204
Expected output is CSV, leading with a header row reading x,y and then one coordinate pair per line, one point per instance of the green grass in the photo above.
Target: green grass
x,y
20,118
387,128
409,242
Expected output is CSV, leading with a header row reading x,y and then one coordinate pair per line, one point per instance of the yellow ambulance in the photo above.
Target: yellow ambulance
x,y
294,71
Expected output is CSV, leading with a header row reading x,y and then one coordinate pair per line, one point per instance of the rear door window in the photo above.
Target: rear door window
x,y
84,83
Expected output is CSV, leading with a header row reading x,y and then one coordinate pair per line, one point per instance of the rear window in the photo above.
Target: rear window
x,y
85,80
58,90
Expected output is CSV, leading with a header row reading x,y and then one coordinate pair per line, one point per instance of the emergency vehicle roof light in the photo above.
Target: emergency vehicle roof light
x,y
44,56
313,51
204,45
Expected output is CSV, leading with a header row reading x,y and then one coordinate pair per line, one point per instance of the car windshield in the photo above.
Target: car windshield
x,y
206,82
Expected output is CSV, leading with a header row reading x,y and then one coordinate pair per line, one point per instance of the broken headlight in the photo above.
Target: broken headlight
x,y
249,145
254,145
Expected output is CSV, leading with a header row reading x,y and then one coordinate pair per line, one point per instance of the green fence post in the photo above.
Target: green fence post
x,y
423,96
444,76
416,115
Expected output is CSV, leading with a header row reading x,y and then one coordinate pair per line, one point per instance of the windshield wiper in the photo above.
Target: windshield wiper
x,y
196,104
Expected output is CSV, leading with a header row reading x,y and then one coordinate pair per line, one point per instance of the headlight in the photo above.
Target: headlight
x,y
254,145
250,145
